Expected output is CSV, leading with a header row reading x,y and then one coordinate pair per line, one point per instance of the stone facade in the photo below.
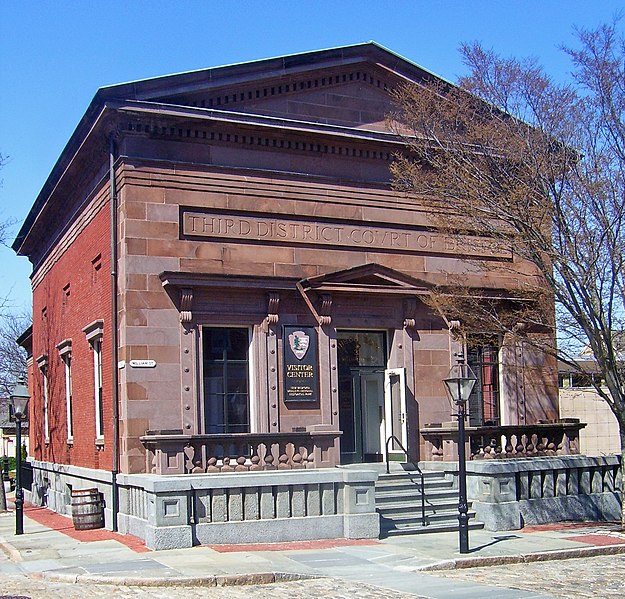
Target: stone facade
x,y
254,220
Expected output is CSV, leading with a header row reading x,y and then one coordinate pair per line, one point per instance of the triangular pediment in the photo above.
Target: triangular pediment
x,y
354,96
372,277
346,86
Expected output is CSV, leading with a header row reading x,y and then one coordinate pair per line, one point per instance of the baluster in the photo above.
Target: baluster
x,y
258,452
551,446
541,445
297,460
507,444
204,453
154,463
284,461
270,456
308,456
192,464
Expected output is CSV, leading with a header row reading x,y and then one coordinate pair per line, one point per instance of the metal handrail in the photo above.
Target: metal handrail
x,y
416,467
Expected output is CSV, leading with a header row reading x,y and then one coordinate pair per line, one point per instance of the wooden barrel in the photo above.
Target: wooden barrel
x,y
87,509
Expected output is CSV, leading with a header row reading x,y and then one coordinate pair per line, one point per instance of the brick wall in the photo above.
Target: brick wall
x,y
73,292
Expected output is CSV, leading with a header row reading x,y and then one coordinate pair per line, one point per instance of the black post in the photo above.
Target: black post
x,y
19,495
463,507
5,468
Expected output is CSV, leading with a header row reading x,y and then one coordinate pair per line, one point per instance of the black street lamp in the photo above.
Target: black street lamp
x,y
459,383
19,401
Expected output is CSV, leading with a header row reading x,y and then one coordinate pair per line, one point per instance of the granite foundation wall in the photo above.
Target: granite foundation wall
x,y
510,494
267,507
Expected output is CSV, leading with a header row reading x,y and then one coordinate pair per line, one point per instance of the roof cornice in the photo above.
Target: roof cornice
x,y
266,68
246,118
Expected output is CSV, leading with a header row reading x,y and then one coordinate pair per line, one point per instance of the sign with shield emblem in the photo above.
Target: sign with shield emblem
x,y
301,364
299,342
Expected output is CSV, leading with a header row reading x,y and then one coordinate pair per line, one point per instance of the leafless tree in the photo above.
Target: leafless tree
x,y
12,359
12,325
12,356
539,168
6,225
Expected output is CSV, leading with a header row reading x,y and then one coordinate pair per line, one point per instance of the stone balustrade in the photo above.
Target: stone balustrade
x,y
503,442
176,453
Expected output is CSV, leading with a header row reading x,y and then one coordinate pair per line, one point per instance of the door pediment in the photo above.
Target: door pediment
x,y
372,278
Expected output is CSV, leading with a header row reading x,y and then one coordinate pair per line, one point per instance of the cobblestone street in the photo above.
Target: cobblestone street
x,y
327,588
598,577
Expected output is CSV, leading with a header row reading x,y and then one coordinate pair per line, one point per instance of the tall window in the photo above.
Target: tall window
x,y
68,396
97,378
226,379
483,357
42,362
94,332
46,422
65,349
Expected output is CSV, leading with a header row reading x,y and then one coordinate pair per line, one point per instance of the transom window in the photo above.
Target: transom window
x,y
225,354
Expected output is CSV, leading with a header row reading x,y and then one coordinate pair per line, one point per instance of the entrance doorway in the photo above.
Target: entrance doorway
x,y
372,399
361,360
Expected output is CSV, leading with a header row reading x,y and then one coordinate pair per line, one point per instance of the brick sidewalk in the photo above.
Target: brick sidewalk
x,y
64,525
610,533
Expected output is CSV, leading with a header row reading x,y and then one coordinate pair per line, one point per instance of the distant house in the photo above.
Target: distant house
x,y
579,399
225,283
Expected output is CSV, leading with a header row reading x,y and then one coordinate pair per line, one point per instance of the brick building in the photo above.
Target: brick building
x,y
268,310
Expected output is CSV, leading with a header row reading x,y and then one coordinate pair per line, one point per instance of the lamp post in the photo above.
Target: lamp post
x,y
19,401
459,383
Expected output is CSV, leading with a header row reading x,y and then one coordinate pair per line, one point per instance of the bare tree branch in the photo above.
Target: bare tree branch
x,y
539,168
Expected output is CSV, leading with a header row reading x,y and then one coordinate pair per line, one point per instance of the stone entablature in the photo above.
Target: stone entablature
x,y
249,227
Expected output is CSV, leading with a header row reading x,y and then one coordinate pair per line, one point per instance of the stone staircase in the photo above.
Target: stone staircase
x,y
398,501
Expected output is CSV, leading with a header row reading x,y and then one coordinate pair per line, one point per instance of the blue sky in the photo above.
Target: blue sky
x,y
54,55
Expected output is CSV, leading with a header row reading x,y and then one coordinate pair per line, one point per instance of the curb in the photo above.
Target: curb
x,y
11,552
219,580
522,558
